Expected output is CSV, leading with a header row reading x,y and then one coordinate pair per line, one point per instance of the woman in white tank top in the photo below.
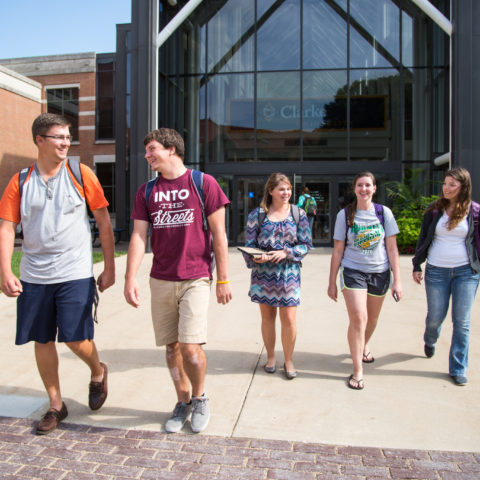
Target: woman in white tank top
x,y
447,242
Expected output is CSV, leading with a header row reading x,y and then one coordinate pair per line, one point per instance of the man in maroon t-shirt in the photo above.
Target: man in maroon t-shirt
x,y
181,272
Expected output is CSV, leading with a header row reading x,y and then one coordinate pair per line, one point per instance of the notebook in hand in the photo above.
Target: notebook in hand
x,y
253,252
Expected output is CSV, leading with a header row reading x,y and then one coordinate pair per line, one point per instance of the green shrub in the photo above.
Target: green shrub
x,y
409,221
409,231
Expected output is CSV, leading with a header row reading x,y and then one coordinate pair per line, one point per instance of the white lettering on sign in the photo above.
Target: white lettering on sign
x,y
292,111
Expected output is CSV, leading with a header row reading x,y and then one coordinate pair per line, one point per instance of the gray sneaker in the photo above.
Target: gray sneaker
x,y
179,417
200,414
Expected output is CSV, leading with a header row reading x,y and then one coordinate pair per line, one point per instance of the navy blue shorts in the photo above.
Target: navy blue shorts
x,y
66,307
376,284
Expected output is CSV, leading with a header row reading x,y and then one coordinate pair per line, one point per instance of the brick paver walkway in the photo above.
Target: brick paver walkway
x,y
82,452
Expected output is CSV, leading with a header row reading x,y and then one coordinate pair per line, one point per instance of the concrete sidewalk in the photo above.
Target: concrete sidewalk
x,y
408,401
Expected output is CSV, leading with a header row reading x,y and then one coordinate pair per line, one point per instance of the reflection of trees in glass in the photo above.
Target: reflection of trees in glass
x,y
335,114
368,106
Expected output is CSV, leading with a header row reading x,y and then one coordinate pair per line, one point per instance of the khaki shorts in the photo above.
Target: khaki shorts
x,y
179,310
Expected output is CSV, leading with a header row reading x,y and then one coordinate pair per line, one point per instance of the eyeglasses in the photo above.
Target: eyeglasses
x,y
67,138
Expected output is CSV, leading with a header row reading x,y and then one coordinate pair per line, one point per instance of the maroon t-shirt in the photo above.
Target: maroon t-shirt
x,y
181,247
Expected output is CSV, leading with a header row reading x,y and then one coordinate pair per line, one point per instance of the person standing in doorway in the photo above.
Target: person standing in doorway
x,y
365,248
309,204
186,220
56,288
448,241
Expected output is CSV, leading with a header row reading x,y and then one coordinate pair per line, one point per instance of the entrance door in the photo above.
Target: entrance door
x,y
320,189
249,195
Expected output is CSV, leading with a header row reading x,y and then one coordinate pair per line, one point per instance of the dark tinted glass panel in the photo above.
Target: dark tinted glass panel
x,y
231,36
407,40
230,118
324,34
64,101
417,132
440,111
278,113
225,182
249,195
374,33
106,175
105,116
324,115
375,114
278,37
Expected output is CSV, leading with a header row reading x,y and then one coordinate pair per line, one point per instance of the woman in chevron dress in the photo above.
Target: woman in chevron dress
x,y
283,231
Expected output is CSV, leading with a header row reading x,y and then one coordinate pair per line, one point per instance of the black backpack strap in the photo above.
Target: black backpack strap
x,y
75,169
295,213
261,216
22,176
74,166
197,178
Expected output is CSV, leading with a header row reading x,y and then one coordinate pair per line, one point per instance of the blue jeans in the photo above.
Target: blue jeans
x,y
311,218
461,284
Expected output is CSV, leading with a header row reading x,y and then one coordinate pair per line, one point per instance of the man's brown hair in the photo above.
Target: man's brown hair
x,y
168,137
42,124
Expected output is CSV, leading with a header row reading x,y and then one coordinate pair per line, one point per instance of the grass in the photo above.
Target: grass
x,y
17,256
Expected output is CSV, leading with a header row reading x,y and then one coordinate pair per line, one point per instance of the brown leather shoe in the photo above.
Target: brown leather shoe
x,y
98,391
51,420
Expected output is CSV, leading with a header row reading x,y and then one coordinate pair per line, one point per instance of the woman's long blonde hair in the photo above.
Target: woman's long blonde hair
x,y
273,181
464,197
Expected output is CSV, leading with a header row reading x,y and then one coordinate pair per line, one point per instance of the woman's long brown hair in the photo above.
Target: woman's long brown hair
x,y
352,207
463,201
273,181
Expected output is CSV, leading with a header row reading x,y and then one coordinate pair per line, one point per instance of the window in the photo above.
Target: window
x,y
64,101
105,114
106,176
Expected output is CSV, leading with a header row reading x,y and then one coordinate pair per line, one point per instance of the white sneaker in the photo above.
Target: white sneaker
x,y
179,416
200,414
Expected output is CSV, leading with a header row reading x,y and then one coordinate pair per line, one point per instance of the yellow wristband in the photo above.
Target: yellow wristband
x,y
222,281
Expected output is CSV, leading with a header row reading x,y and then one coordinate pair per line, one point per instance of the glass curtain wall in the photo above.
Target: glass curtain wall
x,y
337,82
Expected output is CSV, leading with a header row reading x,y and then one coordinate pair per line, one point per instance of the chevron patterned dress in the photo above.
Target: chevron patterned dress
x,y
277,284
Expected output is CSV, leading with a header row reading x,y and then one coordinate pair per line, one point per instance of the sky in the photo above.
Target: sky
x,y
30,28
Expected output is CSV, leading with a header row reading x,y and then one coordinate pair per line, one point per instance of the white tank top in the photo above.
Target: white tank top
x,y
448,248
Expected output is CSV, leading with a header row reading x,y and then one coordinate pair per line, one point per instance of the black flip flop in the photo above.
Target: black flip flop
x,y
365,358
359,382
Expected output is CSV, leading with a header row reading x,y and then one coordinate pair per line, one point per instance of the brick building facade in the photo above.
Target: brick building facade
x,y
20,103
68,86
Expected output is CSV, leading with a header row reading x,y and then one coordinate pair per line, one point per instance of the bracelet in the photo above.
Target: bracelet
x,y
222,281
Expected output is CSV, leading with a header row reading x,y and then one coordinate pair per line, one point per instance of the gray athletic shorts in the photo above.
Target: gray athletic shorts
x,y
376,284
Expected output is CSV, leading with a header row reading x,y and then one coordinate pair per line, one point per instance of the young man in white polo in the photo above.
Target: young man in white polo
x,y
56,287
181,274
